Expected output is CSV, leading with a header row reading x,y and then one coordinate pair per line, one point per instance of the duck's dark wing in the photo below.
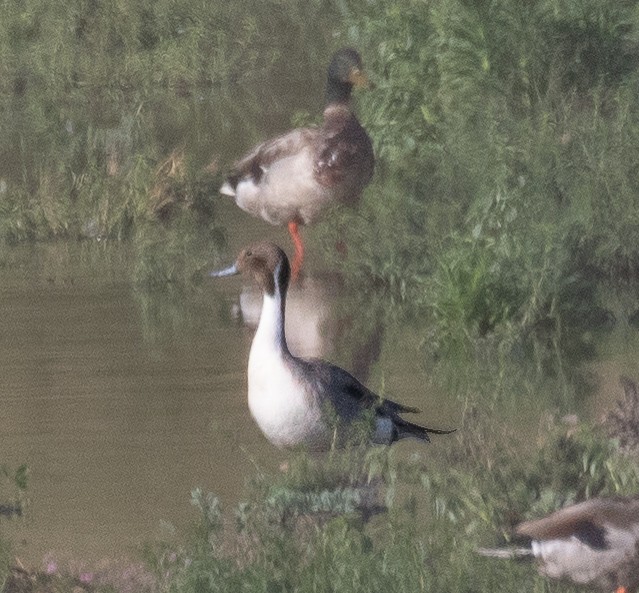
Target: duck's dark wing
x,y
347,395
330,383
349,398
344,155
262,156
587,520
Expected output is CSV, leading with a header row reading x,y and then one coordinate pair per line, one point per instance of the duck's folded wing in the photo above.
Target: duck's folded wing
x,y
262,156
583,519
348,396
333,384
346,152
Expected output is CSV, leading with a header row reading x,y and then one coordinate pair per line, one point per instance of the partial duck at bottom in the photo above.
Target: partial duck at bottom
x,y
595,542
308,402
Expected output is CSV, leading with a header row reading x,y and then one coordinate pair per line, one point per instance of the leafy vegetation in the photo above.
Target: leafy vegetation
x,y
505,131
506,137
360,520
422,537
503,215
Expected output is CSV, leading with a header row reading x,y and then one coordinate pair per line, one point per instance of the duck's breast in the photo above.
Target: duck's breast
x,y
286,415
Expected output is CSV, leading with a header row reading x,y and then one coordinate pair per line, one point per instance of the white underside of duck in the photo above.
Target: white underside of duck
x,y
286,191
275,398
574,560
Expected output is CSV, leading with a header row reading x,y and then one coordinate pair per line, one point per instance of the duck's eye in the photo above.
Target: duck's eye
x,y
249,253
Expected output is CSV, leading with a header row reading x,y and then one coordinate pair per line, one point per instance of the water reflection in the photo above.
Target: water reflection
x,y
120,401
320,319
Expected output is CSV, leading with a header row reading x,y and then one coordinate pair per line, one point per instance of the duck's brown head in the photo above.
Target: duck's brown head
x,y
265,262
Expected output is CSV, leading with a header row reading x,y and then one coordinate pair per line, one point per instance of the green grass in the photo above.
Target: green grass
x,y
437,513
356,520
505,198
506,132
503,215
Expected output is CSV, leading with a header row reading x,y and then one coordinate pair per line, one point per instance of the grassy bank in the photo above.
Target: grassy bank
x,y
502,223
96,98
373,520
355,522
506,137
506,199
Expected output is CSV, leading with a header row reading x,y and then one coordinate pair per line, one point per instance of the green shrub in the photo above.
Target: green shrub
x,y
295,532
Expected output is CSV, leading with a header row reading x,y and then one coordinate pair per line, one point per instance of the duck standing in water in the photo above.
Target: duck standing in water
x,y
595,542
293,178
307,402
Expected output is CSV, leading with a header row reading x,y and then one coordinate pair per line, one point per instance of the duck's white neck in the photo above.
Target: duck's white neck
x,y
270,330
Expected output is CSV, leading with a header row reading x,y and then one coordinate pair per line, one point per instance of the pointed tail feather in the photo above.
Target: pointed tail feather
x,y
227,189
506,553
405,429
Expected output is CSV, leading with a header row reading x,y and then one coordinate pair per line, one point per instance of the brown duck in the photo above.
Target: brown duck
x,y
595,542
293,178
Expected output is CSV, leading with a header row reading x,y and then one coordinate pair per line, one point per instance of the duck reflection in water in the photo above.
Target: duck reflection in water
x,y
318,323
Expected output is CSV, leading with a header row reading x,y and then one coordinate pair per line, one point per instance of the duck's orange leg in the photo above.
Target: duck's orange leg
x,y
296,266
621,590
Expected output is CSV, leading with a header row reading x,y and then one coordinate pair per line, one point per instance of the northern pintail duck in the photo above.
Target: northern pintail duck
x,y
293,178
595,542
307,402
